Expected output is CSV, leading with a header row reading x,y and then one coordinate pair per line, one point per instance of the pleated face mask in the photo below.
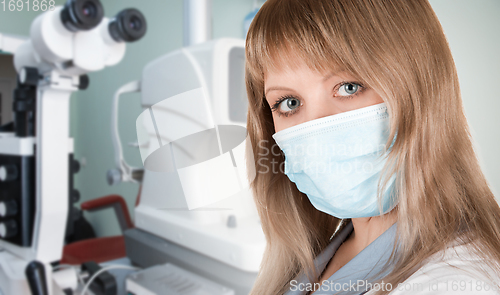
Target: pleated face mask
x,y
337,161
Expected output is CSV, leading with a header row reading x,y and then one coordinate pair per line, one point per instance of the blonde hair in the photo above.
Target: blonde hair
x,y
397,48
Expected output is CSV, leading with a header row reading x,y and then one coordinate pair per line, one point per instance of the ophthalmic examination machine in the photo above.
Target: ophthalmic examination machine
x,y
196,225
36,153
197,230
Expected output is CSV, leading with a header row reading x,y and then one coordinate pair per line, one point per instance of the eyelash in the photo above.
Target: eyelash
x,y
276,105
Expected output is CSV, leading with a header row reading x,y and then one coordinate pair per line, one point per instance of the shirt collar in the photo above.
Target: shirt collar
x,y
363,266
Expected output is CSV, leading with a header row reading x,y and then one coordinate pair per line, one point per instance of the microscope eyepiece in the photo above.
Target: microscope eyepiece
x,y
128,26
89,9
82,15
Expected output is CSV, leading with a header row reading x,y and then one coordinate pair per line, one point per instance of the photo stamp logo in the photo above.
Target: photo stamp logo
x,y
351,286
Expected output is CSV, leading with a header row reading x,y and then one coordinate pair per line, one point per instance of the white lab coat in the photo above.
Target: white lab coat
x,y
453,271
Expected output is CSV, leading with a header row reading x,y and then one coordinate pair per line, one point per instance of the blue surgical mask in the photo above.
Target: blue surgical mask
x,y
337,161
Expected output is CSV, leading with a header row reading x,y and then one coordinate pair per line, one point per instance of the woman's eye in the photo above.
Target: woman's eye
x,y
286,105
348,89
289,104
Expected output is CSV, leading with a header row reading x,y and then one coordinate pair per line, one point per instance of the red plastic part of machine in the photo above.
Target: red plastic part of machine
x,y
104,248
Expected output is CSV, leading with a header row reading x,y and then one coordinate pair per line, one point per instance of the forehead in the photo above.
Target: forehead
x,y
302,74
290,60
291,77
285,68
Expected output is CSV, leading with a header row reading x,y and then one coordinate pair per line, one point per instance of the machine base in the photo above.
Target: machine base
x,y
146,250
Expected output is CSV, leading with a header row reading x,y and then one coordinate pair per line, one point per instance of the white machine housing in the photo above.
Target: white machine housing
x,y
52,46
229,230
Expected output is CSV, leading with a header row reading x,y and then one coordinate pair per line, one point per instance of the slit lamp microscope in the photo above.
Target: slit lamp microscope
x,y
36,152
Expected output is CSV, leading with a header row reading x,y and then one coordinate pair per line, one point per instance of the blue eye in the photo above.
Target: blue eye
x,y
348,89
287,105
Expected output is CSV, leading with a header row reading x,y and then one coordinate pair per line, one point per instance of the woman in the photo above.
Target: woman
x,y
362,98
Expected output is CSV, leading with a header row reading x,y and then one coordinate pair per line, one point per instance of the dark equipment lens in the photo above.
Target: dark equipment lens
x,y
82,15
128,26
89,10
135,23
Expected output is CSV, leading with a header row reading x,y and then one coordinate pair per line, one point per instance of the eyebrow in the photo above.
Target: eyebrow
x,y
289,89
329,76
277,88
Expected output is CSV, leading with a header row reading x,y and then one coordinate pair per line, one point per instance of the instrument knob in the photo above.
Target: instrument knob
x,y
76,166
8,229
8,172
29,76
114,176
8,208
75,196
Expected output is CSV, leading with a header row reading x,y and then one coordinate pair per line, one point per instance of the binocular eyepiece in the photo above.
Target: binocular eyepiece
x,y
82,15
128,25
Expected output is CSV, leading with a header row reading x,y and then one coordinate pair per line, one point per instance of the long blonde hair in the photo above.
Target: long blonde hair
x,y
397,48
